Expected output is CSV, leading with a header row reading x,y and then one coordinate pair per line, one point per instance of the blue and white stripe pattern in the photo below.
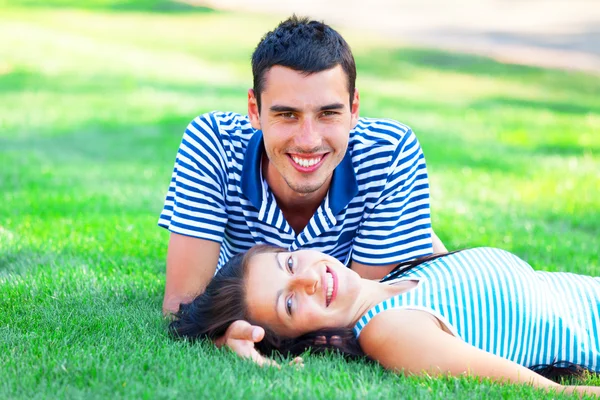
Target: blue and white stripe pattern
x,y
376,211
495,301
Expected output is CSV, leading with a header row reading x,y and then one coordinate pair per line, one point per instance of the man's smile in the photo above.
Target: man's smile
x,y
307,163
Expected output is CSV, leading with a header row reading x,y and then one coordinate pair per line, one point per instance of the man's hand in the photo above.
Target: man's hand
x,y
240,337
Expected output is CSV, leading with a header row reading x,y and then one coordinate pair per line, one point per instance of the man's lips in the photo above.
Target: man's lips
x,y
307,164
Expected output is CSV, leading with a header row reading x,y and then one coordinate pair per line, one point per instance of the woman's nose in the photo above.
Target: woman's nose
x,y
307,282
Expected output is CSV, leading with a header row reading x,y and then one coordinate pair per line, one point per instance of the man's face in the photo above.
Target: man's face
x,y
306,122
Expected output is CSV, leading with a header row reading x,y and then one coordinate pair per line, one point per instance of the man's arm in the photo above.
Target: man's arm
x,y
396,224
194,211
371,271
191,264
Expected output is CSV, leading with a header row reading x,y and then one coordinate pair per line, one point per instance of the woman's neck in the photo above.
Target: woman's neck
x,y
373,293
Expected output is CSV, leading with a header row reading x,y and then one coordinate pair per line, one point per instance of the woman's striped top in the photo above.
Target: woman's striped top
x,y
495,301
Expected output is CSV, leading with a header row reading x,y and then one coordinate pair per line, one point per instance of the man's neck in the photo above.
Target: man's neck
x,y
297,208
299,216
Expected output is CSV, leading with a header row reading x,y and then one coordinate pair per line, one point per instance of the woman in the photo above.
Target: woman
x,y
482,312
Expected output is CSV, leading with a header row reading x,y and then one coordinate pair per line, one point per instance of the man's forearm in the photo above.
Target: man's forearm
x,y
191,264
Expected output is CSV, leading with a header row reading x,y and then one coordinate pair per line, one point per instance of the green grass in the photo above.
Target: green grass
x,y
93,105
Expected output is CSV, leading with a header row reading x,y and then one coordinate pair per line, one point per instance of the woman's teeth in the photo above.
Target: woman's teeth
x,y
329,286
306,162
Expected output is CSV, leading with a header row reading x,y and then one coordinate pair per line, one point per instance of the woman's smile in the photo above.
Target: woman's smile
x,y
301,291
294,293
330,287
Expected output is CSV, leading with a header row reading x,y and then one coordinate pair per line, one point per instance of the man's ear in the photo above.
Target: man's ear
x,y
355,108
253,112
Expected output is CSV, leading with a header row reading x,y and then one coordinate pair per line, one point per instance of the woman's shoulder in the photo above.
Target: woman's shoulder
x,y
483,251
392,325
493,257
466,258
479,255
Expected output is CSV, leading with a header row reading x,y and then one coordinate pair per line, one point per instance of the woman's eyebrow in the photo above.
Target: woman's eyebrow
x,y
277,260
280,291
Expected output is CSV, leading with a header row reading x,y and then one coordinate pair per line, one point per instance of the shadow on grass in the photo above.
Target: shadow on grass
x,y
399,62
105,141
566,149
20,260
115,142
20,80
24,259
445,151
566,107
155,6
438,60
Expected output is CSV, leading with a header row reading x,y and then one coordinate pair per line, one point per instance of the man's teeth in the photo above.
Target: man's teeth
x,y
329,286
306,162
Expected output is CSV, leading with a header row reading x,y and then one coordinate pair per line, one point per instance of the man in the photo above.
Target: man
x,y
302,170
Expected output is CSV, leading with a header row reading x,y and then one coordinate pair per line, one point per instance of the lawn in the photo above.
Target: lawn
x,y
93,105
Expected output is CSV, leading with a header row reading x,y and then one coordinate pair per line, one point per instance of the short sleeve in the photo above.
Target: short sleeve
x,y
195,202
398,226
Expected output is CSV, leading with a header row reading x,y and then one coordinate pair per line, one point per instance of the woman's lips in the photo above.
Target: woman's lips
x,y
334,284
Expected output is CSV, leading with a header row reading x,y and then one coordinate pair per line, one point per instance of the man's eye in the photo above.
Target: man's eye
x,y
287,115
290,264
288,305
329,113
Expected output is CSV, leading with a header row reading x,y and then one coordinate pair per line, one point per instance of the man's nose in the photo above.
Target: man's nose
x,y
308,136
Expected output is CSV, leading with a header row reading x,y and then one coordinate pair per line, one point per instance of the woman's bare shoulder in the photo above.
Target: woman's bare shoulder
x,y
391,326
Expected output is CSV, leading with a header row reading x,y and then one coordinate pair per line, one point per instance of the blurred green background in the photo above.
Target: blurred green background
x,y
94,99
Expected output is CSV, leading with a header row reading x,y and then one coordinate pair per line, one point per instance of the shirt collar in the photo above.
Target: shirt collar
x,y
343,182
250,180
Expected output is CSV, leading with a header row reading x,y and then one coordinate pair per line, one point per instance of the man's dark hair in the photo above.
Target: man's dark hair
x,y
302,45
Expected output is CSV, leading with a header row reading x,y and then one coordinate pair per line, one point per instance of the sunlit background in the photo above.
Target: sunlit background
x,y
504,97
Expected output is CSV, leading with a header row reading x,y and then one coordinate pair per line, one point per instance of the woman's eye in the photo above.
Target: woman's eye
x,y
288,305
290,264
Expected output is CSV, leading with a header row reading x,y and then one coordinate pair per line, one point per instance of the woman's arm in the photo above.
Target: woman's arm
x,y
413,342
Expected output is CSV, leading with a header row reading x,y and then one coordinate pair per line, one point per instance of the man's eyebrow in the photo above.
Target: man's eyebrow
x,y
332,106
282,108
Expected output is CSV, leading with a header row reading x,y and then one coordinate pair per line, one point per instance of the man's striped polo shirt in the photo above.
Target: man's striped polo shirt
x,y
376,211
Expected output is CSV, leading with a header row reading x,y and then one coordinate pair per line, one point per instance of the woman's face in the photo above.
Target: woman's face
x,y
300,292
